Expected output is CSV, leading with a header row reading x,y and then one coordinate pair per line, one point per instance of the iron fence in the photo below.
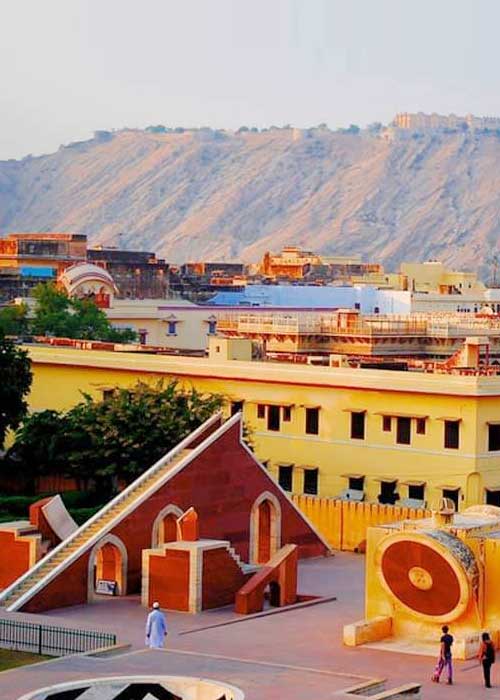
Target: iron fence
x,y
50,640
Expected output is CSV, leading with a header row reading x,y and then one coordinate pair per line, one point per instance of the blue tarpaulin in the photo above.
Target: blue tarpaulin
x,y
38,272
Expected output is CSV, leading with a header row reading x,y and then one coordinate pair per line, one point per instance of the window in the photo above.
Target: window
x,y
452,494
358,425
451,434
172,328
285,477
386,424
311,481
107,394
420,426
403,436
312,421
494,437
261,410
212,326
236,407
416,491
388,492
493,497
356,483
273,418
287,414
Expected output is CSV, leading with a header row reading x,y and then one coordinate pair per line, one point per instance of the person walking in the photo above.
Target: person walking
x,y
486,657
156,628
445,657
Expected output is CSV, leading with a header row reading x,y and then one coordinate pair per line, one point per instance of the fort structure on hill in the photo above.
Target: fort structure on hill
x,y
420,120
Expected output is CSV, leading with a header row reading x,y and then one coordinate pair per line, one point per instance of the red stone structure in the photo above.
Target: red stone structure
x,y
280,574
214,472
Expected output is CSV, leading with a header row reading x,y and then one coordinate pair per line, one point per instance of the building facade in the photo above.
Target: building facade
x,y
379,435
28,259
137,274
420,120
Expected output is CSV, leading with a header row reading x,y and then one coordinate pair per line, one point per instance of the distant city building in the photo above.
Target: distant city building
x,y
137,274
87,281
293,263
199,280
26,259
419,120
307,334
367,299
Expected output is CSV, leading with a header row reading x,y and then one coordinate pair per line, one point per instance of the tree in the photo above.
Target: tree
x,y
56,314
115,439
14,319
41,445
375,127
15,383
352,129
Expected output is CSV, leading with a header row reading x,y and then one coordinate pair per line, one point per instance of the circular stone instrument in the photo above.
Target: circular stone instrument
x,y
433,574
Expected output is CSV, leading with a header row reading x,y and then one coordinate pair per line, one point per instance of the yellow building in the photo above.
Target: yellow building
x,y
433,276
368,434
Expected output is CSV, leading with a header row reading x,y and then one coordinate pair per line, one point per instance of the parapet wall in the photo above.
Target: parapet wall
x,y
344,523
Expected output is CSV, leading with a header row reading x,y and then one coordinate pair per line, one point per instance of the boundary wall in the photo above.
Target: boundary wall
x,y
344,523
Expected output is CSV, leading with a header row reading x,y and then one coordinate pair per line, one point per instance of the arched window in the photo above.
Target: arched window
x,y
165,526
265,528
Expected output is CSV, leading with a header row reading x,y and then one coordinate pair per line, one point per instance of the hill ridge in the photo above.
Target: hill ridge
x,y
221,195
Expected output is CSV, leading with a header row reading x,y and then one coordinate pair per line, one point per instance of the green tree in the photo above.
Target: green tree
x,y
15,382
114,439
14,319
56,314
41,444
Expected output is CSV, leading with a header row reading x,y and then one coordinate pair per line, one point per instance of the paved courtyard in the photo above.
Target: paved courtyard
x,y
295,654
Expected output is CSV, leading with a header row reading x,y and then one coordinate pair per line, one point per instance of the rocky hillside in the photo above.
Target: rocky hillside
x,y
207,194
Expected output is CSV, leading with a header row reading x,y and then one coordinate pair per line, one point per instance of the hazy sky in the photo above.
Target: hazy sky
x,y
68,67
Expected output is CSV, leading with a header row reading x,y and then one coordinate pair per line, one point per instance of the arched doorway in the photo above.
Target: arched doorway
x,y
265,528
108,561
474,493
165,526
274,594
264,542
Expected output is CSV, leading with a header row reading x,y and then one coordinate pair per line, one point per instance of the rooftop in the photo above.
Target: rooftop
x,y
273,373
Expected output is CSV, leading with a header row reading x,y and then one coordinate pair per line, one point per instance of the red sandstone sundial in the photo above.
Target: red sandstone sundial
x,y
433,575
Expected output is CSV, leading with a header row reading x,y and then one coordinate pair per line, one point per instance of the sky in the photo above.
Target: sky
x,y
69,67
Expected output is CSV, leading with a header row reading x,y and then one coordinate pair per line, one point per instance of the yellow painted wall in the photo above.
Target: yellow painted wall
x,y
344,524
336,392
153,315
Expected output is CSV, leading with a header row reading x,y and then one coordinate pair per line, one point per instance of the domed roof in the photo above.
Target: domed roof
x,y
78,274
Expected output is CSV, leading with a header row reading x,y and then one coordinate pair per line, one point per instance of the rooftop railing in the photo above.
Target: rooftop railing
x,y
377,325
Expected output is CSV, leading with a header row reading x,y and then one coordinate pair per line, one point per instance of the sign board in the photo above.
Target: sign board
x,y
105,587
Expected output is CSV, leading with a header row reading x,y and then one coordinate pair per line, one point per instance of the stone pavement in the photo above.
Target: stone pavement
x,y
295,654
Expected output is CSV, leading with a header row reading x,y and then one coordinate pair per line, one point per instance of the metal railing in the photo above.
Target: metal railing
x,y
311,322
49,640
